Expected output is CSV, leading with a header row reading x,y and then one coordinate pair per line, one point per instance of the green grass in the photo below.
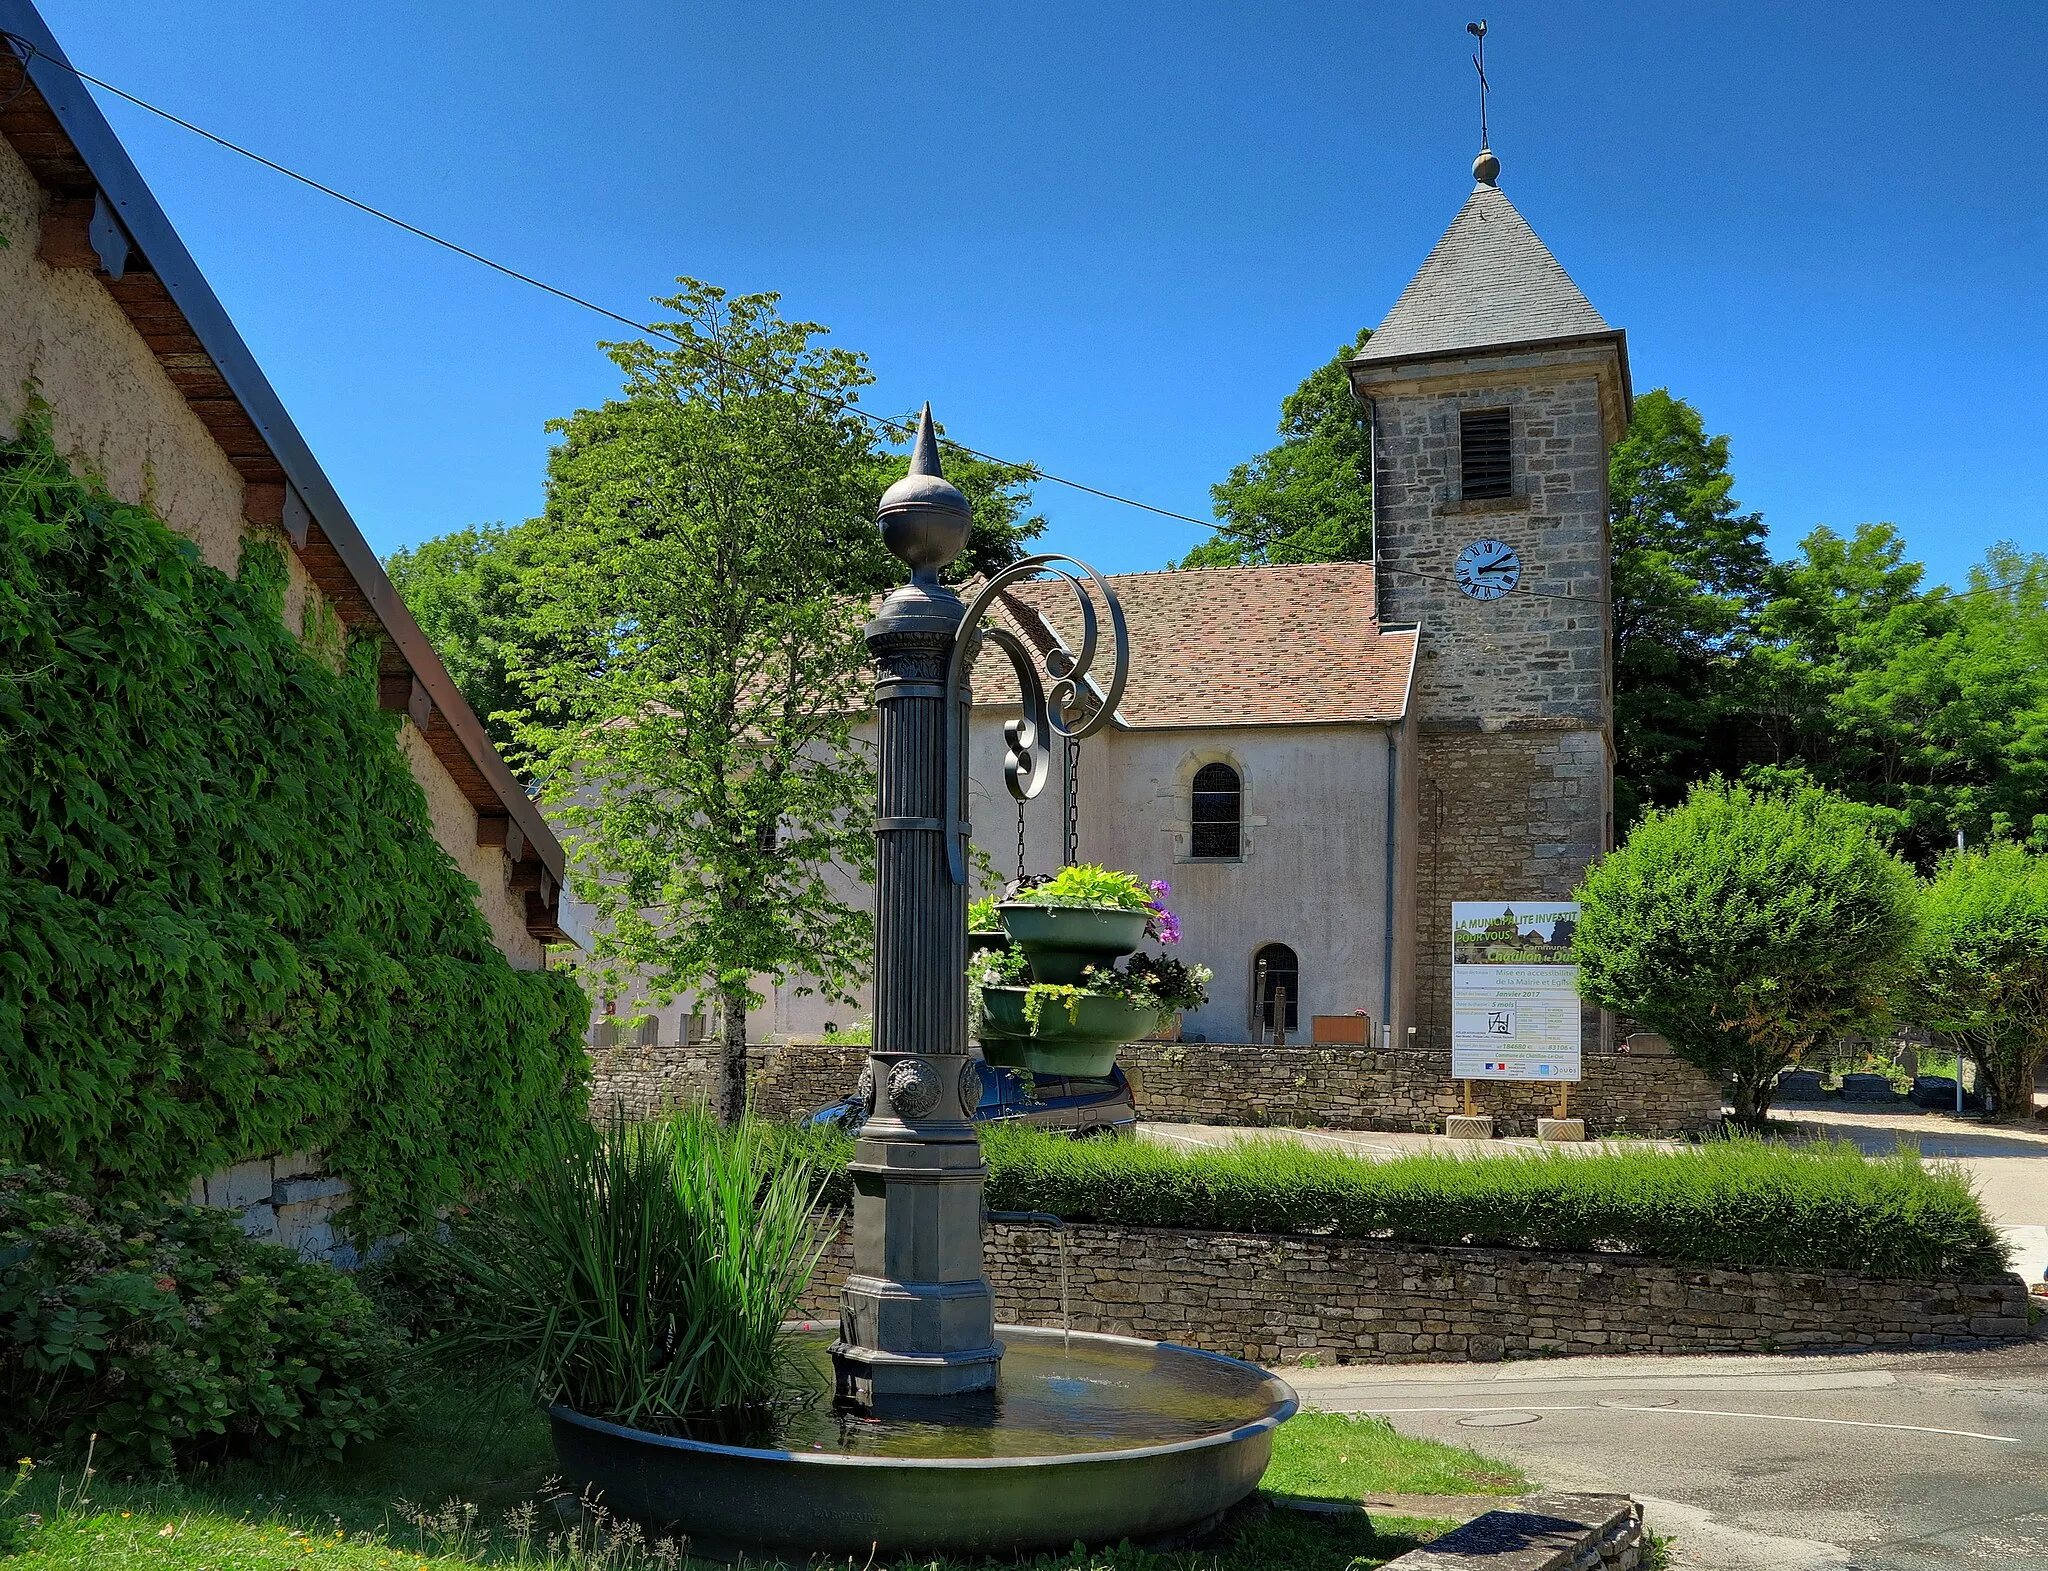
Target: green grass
x,y
239,1517
1819,1205
1345,1456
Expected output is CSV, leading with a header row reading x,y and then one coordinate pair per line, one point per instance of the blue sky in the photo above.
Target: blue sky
x,y
1110,238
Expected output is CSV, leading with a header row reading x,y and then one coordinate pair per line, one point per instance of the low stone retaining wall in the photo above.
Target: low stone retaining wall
x,y
289,1200
1275,1299
1364,1088
1219,1083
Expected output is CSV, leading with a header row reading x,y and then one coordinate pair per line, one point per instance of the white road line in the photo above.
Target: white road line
x,y
1696,1412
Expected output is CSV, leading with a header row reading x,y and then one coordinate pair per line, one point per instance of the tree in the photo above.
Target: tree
x,y
1930,705
693,719
1310,498
1979,972
1746,928
1688,573
463,590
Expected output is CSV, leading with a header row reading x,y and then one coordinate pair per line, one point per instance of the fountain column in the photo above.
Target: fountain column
x,y
917,1318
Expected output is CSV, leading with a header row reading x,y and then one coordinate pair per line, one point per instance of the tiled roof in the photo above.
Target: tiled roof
x,y
1489,281
1223,646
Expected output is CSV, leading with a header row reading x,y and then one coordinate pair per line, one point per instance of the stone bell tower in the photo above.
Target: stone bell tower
x,y
1494,392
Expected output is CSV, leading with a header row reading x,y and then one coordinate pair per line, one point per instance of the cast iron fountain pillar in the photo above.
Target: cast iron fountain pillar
x,y
917,1318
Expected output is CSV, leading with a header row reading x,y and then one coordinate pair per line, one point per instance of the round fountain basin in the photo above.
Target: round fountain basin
x,y
1101,1439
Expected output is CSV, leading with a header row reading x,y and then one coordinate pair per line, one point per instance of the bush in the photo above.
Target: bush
x,y
1728,1202
1979,969
1746,928
169,1334
642,1274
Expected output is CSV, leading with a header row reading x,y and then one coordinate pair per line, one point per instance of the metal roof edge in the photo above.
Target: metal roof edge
x,y
97,145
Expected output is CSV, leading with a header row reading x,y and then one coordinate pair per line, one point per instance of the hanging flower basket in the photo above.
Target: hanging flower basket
x,y
1075,1033
1062,941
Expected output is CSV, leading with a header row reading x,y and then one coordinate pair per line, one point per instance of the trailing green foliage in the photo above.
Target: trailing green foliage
x,y
1085,884
642,1273
1979,971
226,928
167,1333
1748,927
1727,1202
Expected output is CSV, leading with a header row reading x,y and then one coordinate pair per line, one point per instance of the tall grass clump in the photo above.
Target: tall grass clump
x,y
1739,1201
643,1273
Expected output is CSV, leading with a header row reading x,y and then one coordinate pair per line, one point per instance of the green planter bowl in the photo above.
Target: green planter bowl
x,y
1061,942
981,943
1085,1045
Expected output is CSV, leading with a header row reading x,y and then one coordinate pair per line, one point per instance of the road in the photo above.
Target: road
x,y
1914,1462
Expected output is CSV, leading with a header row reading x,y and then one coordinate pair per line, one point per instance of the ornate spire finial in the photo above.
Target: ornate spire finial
x,y
925,518
1485,168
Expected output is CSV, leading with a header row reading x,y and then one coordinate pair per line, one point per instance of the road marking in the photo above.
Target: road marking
x,y
1697,1412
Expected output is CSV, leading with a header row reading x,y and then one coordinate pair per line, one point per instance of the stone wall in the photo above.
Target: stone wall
x,y
784,1080
1277,1299
1364,1088
289,1200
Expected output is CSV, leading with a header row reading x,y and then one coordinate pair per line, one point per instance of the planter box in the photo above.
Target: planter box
x,y
1347,1030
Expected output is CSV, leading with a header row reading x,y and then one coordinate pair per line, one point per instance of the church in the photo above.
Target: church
x,y
1321,759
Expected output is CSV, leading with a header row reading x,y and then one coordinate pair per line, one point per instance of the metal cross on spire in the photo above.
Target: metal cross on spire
x,y
1485,168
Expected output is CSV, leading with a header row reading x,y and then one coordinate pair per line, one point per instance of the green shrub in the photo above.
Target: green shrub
x,y
642,1273
1979,971
1747,928
226,927
1727,1202
168,1333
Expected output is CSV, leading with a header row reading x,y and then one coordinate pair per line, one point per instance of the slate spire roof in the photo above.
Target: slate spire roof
x,y
1489,282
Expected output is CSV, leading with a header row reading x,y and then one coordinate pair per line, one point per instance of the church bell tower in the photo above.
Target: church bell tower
x,y
1494,392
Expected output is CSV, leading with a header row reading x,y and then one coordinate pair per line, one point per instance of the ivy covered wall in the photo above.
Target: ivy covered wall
x,y
226,928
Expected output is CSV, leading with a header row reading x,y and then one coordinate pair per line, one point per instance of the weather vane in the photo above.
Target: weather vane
x,y
1478,30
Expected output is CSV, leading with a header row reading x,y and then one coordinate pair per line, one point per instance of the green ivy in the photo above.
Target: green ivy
x,y
226,928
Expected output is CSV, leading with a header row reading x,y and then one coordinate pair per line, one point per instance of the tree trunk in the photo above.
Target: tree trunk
x,y
1752,1097
730,1100
2009,1072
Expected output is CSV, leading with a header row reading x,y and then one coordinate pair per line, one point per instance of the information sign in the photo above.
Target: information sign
x,y
1514,990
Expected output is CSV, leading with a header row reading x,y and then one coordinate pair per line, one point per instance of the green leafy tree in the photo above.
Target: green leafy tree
x,y
1930,705
1979,971
1689,569
1309,499
694,722
1747,928
463,590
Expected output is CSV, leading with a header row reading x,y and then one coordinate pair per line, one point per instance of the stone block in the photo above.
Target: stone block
x,y
307,1229
1560,1129
244,1184
300,1191
260,1221
1468,1126
1868,1088
296,1164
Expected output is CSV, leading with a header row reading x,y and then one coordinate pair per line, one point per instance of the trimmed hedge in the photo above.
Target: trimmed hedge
x,y
1735,1202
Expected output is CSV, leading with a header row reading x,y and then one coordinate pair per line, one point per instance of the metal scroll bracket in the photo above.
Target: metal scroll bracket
x,y
1059,711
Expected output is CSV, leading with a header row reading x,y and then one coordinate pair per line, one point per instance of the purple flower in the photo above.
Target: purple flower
x,y
1162,924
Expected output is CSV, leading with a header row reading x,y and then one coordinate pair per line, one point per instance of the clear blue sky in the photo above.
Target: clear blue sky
x,y
1109,238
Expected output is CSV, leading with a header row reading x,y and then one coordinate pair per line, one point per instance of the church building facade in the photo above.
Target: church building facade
x,y
1320,759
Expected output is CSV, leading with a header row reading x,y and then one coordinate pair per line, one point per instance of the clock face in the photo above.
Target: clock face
x,y
1488,569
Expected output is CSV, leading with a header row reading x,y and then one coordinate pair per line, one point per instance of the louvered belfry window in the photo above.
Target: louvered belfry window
x,y
1484,454
1218,816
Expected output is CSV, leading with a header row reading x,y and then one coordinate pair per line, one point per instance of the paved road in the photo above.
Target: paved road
x,y
1918,1462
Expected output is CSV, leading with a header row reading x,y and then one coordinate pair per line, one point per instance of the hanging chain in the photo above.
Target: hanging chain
x,y
1020,842
1073,802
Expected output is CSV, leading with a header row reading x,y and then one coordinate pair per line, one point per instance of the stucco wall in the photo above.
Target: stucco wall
x,y
115,414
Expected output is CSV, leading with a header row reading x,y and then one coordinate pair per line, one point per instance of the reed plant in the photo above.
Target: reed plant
x,y
643,1273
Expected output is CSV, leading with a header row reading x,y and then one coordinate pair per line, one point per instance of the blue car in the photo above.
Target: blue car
x,y
1080,1105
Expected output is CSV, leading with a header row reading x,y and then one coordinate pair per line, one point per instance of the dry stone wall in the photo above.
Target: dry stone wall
x,y
1302,1085
784,1079
1277,1299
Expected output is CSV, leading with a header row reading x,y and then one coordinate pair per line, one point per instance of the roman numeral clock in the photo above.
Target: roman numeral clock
x,y
1488,569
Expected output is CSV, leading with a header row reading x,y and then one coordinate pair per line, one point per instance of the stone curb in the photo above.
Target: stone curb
x,y
1547,1533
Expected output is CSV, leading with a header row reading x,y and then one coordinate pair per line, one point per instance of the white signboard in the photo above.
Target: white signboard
x,y
1514,990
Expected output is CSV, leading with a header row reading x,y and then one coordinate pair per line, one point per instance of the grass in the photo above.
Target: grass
x,y
493,1456
1345,1456
1736,1201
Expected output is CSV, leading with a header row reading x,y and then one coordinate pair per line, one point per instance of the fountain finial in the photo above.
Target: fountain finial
x,y
925,518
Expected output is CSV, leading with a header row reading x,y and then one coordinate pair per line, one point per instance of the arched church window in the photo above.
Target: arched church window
x,y
1485,454
1218,818
1274,968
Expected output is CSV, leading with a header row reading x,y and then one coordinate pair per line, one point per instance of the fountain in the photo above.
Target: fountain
x,y
937,1431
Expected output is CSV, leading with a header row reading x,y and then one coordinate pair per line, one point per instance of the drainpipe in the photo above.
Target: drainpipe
x,y
1387,874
